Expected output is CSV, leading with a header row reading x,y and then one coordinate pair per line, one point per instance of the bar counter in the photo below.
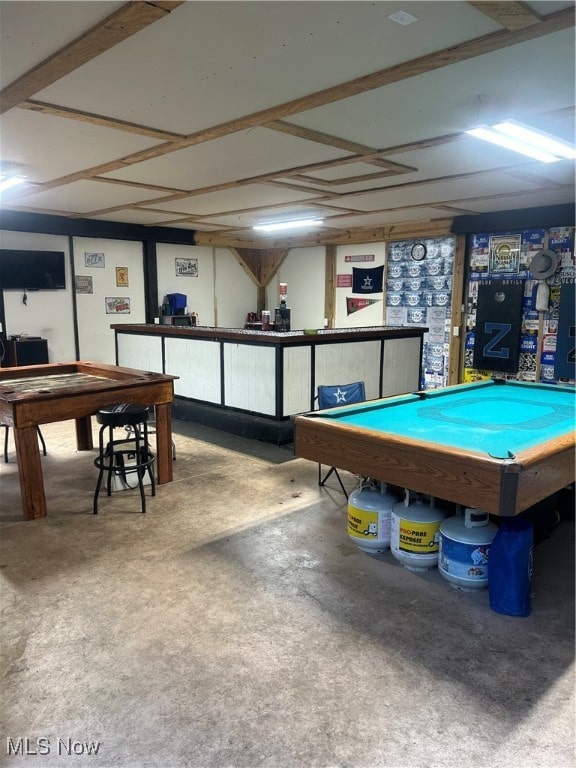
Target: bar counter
x,y
252,382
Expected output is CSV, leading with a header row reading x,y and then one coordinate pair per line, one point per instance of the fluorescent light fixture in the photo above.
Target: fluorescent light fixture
x,y
489,134
525,140
536,138
278,226
7,182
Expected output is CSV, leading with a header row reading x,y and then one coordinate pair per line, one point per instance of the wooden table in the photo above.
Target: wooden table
x,y
41,394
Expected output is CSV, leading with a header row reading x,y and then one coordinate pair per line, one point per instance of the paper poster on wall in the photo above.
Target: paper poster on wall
x,y
94,260
396,316
83,284
186,267
360,257
117,305
565,362
505,254
436,322
561,242
122,277
343,281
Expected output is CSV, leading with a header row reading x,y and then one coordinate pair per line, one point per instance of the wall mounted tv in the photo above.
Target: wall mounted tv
x,y
32,270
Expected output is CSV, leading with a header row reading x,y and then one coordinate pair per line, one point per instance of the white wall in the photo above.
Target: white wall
x,y
219,291
198,286
235,292
98,310
46,313
304,270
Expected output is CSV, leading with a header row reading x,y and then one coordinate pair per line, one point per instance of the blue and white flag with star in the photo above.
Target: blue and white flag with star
x,y
367,280
329,396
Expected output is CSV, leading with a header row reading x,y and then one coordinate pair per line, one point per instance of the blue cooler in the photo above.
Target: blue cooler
x,y
178,303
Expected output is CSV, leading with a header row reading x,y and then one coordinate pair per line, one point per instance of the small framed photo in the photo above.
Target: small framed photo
x,y
117,305
186,267
122,277
83,284
93,260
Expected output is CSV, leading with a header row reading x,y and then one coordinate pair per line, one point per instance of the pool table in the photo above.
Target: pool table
x,y
497,445
39,394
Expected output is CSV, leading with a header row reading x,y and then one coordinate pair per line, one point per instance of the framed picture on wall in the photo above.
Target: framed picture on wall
x,y
83,284
186,267
122,277
117,305
505,254
94,260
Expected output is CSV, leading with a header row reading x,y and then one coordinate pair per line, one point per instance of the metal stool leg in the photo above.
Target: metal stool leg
x,y
101,468
6,433
138,459
41,438
151,428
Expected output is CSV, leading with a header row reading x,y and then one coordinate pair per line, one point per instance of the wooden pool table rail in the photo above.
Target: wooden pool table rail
x,y
502,487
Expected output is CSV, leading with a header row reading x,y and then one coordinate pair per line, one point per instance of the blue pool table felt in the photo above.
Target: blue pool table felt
x,y
499,419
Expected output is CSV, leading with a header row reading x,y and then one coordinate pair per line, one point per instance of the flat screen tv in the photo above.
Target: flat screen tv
x,y
32,270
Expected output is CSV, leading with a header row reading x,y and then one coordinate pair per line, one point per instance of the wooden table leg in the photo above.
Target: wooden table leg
x,y
30,473
84,434
164,442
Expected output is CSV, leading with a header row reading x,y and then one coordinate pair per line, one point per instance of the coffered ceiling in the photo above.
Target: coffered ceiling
x,y
215,116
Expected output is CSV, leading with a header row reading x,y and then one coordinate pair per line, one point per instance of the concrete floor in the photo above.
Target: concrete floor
x,y
235,625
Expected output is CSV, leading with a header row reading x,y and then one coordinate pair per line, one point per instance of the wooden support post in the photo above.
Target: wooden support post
x,y
330,286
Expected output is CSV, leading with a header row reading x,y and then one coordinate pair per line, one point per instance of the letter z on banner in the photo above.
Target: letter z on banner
x,y
498,325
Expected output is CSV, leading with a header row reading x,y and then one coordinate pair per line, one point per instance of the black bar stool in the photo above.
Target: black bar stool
x,y
7,432
122,458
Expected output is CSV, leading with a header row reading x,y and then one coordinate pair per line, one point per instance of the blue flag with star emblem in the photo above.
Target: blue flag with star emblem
x,y
332,395
367,280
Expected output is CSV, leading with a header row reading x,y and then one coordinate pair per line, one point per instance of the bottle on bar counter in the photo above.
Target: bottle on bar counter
x,y
282,320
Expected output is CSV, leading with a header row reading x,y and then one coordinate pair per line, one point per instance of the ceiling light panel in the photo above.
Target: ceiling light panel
x,y
538,139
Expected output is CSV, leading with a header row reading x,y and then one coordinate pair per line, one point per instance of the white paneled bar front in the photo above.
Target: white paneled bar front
x,y
230,376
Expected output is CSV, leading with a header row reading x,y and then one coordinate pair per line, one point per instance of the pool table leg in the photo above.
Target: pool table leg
x,y
30,473
164,442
